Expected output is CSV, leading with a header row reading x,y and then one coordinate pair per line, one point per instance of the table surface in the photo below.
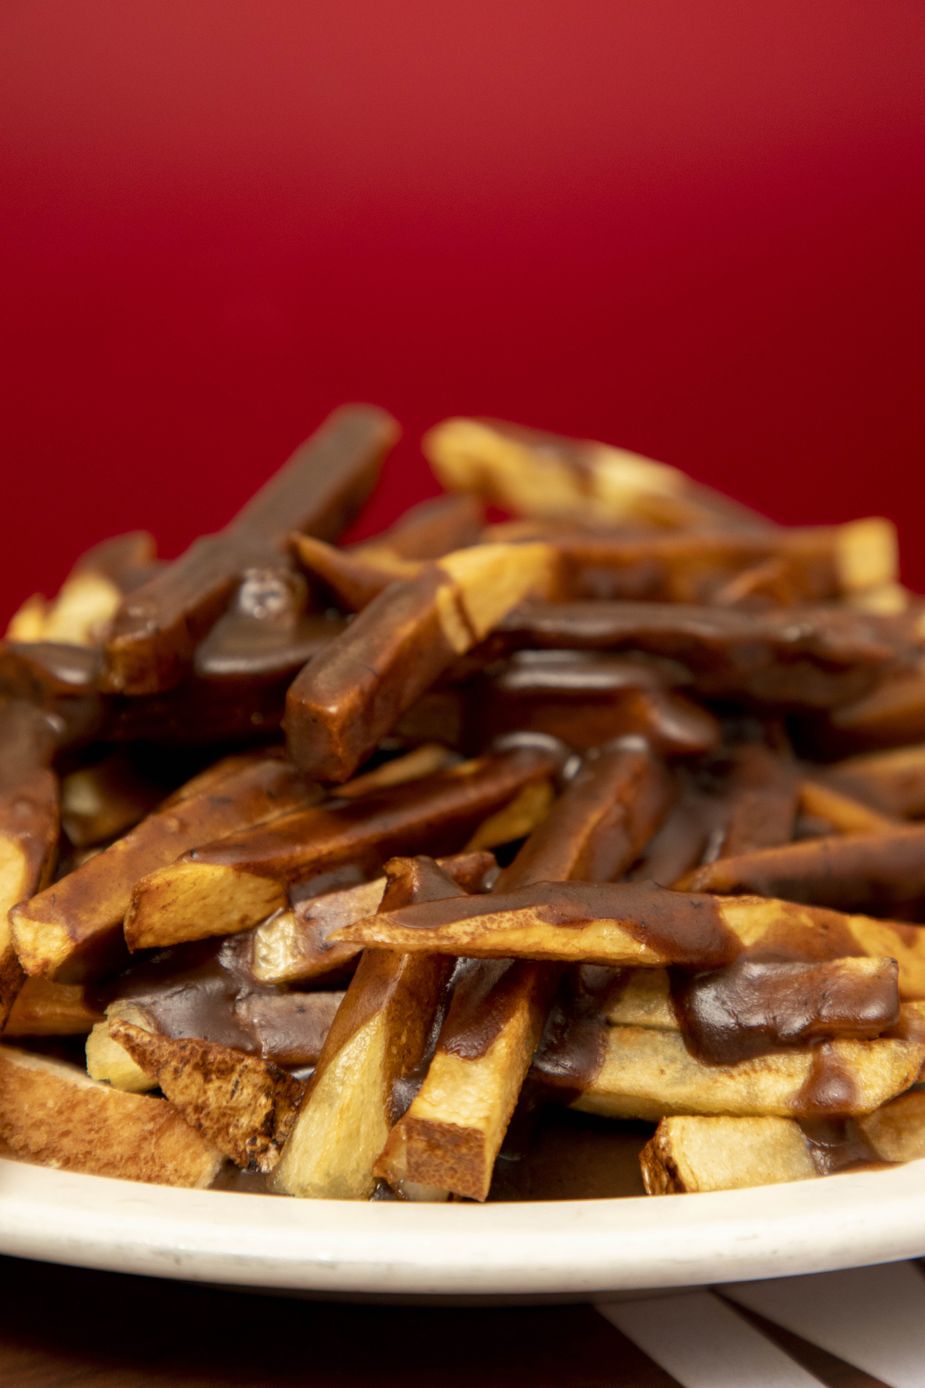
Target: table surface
x,y
62,1326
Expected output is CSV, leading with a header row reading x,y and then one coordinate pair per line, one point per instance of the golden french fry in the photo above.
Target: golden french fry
x,y
53,1114
353,578
892,781
428,530
450,1136
107,1060
640,1072
881,872
634,924
690,1154
50,1009
545,475
240,1104
235,883
292,946
896,1132
29,823
422,761
73,929
355,691
843,812
378,1039
89,596
155,629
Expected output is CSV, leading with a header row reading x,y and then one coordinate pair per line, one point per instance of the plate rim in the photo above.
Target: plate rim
x,y
385,1249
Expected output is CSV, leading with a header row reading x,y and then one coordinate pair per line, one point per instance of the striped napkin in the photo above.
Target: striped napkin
x,y
864,1328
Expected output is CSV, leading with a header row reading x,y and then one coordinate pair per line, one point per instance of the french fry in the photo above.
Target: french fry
x,y
633,924
515,820
689,1154
882,872
242,1105
234,883
641,1072
72,930
50,1009
379,1037
353,579
820,563
428,530
545,475
761,792
28,826
89,596
896,1132
892,781
450,1136
353,693
889,716
808,657
586,700
108,1061
322,486
423,761
842,811
54,1114
292,947
760,1005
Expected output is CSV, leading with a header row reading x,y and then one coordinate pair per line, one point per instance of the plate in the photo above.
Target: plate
x,y
569,1249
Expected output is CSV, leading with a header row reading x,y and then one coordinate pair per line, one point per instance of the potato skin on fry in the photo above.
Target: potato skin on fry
x,y
244,1106
52,1113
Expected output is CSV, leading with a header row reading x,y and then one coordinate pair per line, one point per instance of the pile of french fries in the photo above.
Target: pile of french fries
x,y
320,863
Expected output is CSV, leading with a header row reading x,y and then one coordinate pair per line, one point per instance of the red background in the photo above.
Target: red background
x,y
695,229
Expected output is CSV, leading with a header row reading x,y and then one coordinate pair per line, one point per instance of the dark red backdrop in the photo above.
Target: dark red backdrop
x,y
692,228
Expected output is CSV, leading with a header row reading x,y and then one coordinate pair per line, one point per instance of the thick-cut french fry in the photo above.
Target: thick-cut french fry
x,y
353,579
842,811
321,487
107,1060
515,820
379,1037
451,1134
873,872
690,1154
425,760
761,792
807,657
889,716
89,596
540,474
354,692
73,929
723,1153
896,1132
28,825
428,530
758,1005
586,700
52,1113
232,884
641,1072
240,1104
893,781
292,947
50,1009
633,924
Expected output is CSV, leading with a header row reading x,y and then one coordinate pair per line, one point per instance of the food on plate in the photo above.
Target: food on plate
x,y
420,866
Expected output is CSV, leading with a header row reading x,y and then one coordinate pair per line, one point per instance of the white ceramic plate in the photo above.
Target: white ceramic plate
x,y
560,1249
